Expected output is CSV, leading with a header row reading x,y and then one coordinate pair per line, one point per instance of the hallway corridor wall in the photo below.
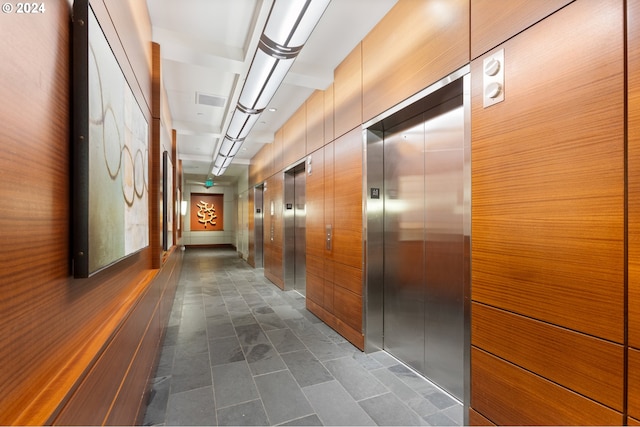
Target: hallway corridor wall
x,y
74,351
552,213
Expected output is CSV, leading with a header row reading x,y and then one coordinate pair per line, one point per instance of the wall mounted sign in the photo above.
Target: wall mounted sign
x,y
207,212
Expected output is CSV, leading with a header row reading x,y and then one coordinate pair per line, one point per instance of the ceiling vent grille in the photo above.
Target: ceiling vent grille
x,y
210,100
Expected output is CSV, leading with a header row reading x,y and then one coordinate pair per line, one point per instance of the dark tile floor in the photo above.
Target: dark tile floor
x,y
239,351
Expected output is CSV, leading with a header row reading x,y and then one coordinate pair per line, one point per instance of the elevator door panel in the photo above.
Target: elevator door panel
x,y
300,212
258,225
444,250
404,296
424,243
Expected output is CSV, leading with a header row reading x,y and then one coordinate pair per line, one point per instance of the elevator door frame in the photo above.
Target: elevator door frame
x,y
373,218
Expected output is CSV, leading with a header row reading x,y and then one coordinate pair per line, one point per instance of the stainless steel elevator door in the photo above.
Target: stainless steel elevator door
x,y
404,291
295,229
424,262
258,225
300,213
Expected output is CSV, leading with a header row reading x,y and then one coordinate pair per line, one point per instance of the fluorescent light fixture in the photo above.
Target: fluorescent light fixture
x,y
241,124
264,79
291,22
230,147
183,207
288,27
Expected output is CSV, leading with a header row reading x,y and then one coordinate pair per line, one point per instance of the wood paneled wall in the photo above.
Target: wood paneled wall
x,y
633,208
548,173
416,44
493,22
59,334
555,188
347,93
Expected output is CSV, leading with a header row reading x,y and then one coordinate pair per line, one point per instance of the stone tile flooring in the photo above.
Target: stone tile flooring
x,y
239,351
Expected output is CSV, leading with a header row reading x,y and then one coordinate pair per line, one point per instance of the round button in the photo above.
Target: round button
x,y
492,67
493,90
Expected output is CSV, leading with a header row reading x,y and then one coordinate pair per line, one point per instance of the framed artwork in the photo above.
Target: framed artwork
x,y
207,212
110,143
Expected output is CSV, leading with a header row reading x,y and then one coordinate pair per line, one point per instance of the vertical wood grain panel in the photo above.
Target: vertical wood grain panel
x,y
314,195
509,395
328,292
315,281
348,307
156,81
416,44
294,136
494,22
347,230
347,86
329,192
633,159
315,121
548,177
592,367
329,132
56,327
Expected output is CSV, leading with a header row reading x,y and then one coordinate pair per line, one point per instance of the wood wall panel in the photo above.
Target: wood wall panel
x,y
314,279
329,120
294,137
633,159
416,44
347,230
633,422
329,294
349,278
314,195
634,383
348,307
55,327
495,22
509,395
315,121
587,365
261,165
329,193
93,399
347,95
475,419
548,178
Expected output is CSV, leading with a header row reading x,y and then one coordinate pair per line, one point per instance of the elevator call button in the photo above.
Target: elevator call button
x,y
375,193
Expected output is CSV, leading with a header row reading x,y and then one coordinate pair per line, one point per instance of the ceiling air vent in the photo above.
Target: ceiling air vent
x,y
210,100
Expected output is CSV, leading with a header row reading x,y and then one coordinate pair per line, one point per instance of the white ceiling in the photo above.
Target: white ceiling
x,y
207,46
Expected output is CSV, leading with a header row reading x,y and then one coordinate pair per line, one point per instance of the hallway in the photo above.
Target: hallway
x,y
239,351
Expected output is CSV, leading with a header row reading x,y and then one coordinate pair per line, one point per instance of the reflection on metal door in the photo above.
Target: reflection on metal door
x,y
295,229
258,229
420,234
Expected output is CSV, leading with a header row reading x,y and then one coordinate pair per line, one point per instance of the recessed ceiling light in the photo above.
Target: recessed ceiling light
x,y
273,110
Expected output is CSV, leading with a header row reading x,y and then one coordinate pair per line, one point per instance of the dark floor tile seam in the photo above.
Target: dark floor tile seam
x,y
241,403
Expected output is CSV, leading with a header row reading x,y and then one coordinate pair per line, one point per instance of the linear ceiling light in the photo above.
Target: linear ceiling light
x,y
288,27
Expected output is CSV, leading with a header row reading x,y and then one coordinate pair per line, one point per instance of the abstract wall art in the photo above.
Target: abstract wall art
x,y
207,212
111,154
